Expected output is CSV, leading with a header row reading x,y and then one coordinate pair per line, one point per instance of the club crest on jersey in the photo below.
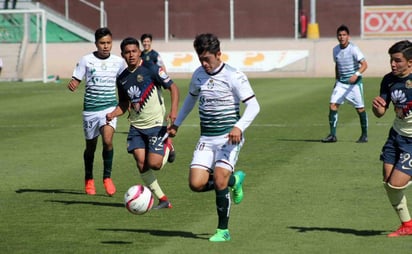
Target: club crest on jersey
x,y
210,84
104,66
139,78
408,84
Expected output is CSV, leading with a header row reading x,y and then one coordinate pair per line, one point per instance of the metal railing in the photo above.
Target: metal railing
x,y
100,8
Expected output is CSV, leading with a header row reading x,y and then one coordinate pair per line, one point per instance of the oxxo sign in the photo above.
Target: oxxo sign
x,y
387,21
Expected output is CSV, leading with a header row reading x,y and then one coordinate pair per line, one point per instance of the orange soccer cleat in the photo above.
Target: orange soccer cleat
x,y
89,187
109,186
403,230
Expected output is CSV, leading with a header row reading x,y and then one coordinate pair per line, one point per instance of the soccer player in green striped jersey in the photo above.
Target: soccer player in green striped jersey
x,y
219,90
99,69
350,63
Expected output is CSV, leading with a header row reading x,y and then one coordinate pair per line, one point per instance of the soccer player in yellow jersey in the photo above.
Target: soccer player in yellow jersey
x,y
396,155
140,89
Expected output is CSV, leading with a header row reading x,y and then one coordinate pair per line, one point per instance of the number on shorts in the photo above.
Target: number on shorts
x,y
200,146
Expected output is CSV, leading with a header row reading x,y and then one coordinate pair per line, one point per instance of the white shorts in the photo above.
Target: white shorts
x,y
211,152
351,93
94,120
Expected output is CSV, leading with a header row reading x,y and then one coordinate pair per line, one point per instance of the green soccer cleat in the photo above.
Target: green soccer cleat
x,y
238,188
222,235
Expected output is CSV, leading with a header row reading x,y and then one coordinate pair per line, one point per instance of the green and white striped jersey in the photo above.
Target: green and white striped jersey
x,y
219,96
100,77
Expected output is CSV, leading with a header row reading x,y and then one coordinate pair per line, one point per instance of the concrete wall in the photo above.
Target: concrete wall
x,y
63,57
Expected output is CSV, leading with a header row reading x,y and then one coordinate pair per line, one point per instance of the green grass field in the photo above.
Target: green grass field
x,y
301,196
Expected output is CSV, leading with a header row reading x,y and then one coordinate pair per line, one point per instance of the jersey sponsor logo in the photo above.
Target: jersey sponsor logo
x,y
134,92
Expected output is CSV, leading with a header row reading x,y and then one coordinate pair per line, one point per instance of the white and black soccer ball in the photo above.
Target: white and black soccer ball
x,y
138,199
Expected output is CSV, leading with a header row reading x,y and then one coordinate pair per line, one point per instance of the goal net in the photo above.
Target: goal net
x,y
23,45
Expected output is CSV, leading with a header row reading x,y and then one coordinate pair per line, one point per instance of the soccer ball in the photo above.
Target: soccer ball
x,y
138,199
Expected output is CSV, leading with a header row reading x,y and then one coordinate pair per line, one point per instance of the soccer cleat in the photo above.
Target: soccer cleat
x,y
89,187
238,187
402,231
330,139
172,152
221,235
362,139
163,204
109,186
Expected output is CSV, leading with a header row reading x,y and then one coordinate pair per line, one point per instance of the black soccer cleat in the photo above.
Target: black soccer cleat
x,y
330,139
363,139
163,204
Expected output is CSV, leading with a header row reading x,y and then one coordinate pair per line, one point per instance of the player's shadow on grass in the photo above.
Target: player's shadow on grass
x,y
53,191
340,230
166,233
77,202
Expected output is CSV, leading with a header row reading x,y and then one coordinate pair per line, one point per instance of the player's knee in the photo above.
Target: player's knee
x,y
155,165
196,187
108,146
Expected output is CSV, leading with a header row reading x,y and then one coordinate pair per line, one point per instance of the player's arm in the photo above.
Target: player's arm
x,y
379,106
184,111
363,65
73,84
121,107
174,100
252,109
78,74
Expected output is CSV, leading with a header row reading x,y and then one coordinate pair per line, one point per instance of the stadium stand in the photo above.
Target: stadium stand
x,y
11,26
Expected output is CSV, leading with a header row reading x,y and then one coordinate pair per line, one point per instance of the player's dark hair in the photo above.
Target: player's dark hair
x,y
128,41
144,36
101,32
404,47
342,28
206,43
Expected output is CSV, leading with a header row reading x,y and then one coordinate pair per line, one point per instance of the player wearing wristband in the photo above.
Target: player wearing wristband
x,y
350,63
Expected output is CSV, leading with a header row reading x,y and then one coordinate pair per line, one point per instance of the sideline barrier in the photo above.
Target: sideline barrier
x,y
248,61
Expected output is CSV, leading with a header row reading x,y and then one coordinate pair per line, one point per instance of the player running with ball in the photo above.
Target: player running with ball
x,y
140,89
219,88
